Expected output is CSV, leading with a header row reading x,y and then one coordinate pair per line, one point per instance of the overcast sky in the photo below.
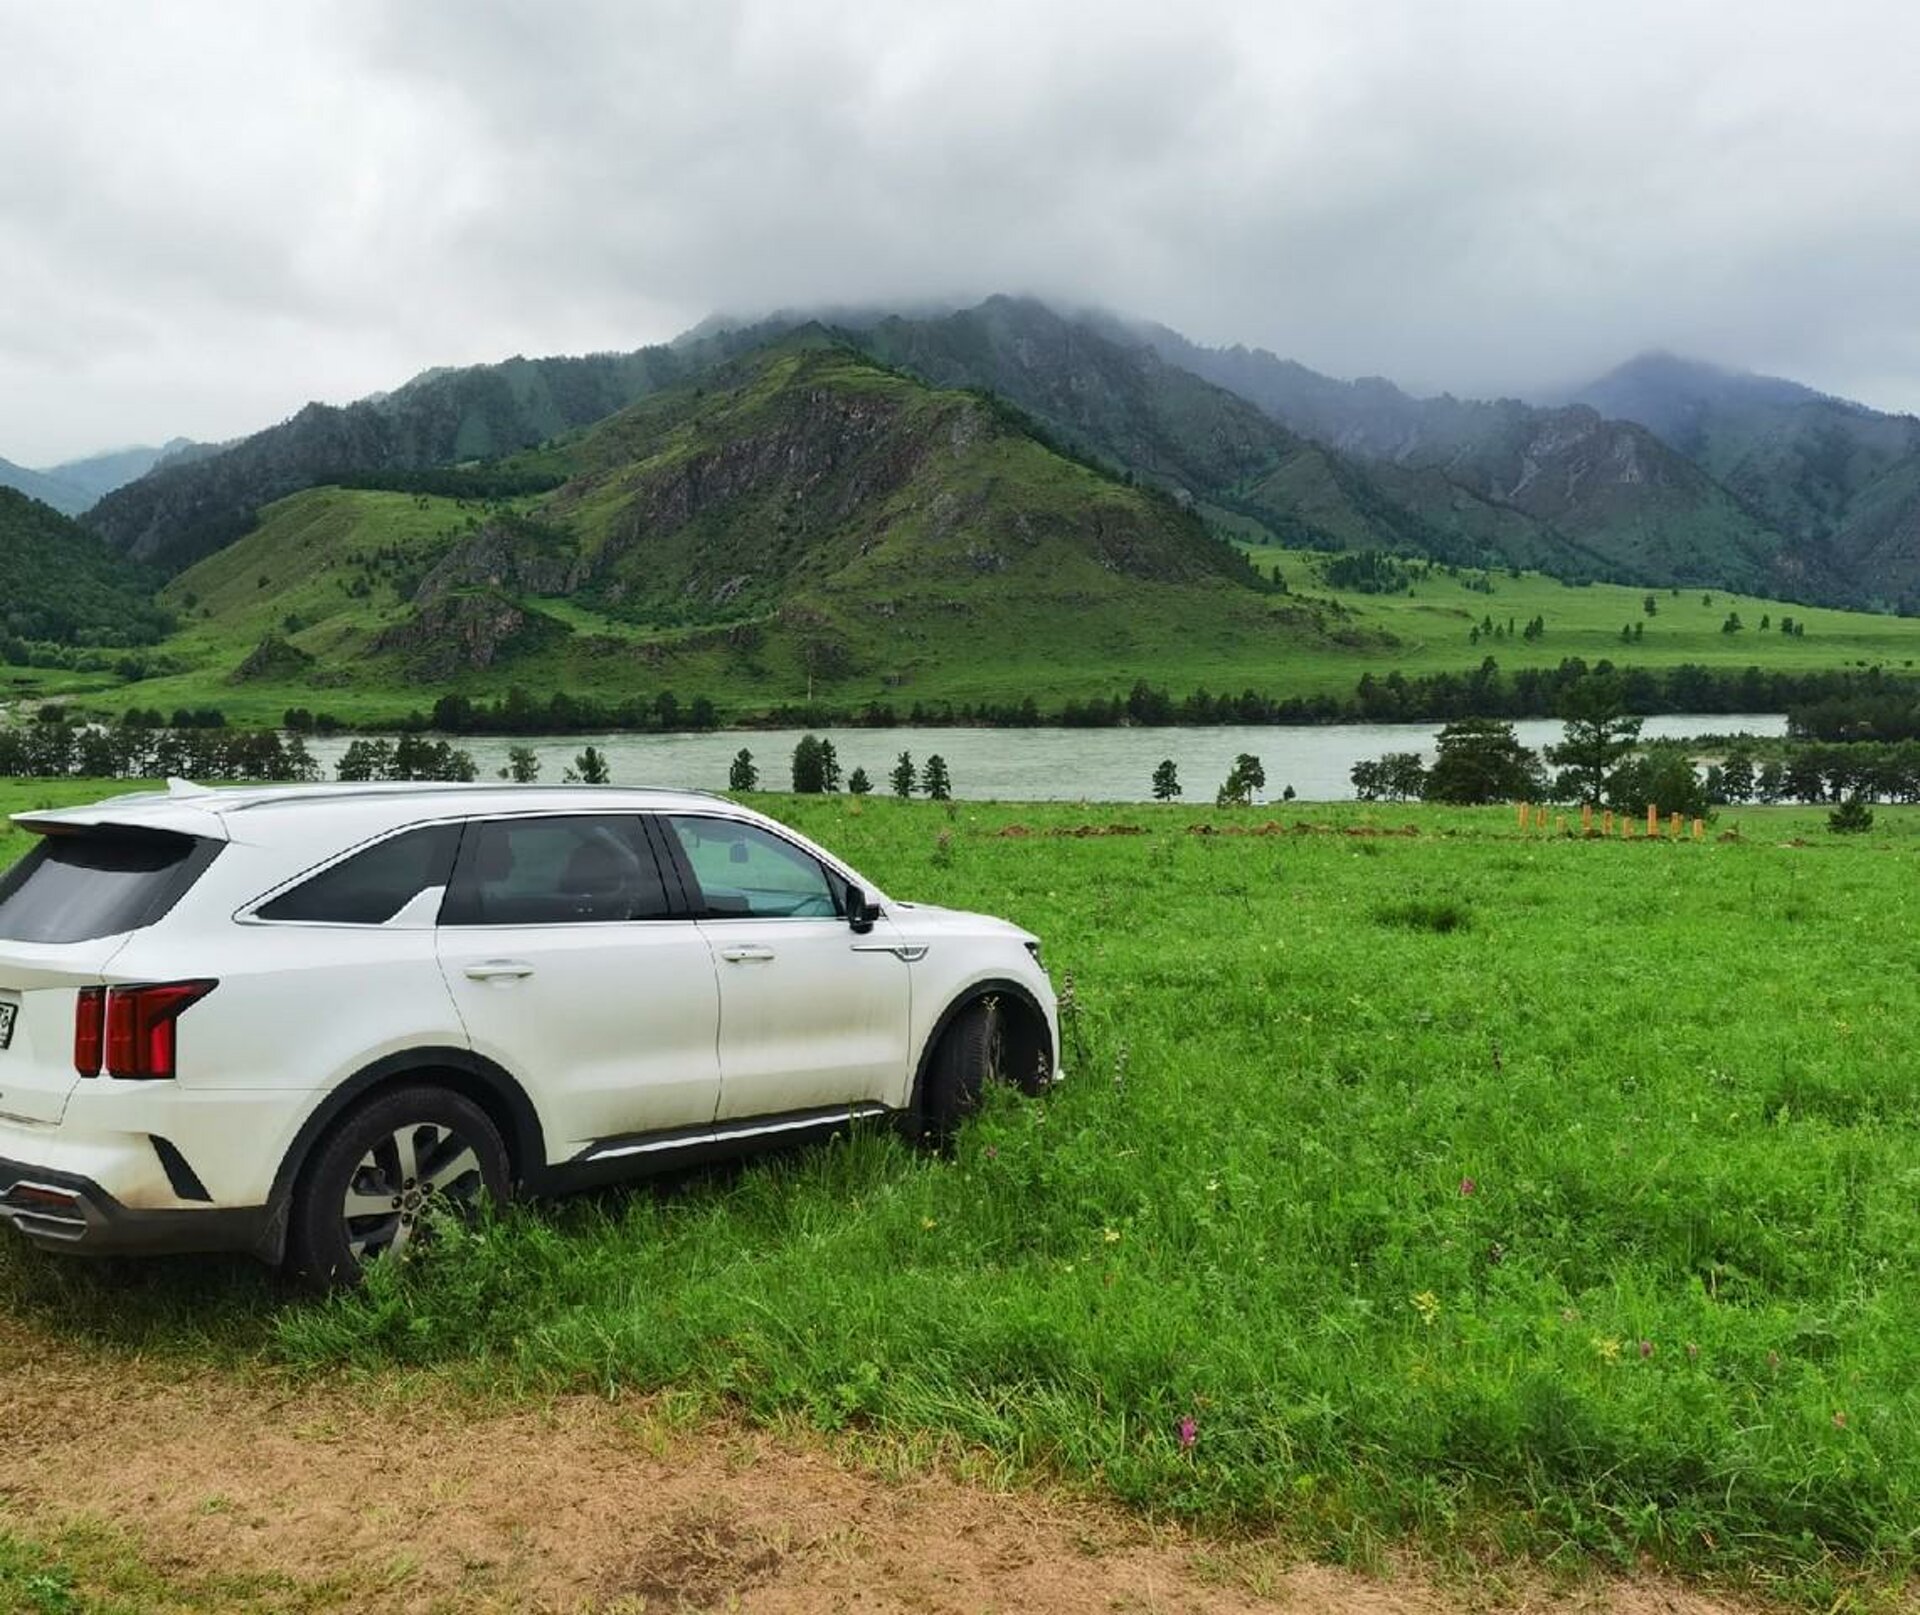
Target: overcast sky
x,y
212,212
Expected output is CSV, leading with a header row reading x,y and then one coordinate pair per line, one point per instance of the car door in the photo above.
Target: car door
x,y
571,968
811,1014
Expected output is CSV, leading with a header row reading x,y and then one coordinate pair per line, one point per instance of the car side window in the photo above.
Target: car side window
x,y
747,872
575,870
374,884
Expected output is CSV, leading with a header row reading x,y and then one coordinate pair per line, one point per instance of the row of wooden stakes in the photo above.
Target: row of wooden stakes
x,y
1535,818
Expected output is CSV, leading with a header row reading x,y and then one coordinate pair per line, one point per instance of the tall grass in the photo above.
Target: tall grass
x,y
1555,1196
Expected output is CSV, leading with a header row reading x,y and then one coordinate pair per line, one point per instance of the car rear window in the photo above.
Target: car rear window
x,y
372,885
77,885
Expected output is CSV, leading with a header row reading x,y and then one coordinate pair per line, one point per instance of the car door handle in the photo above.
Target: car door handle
x,y
499,970
746,954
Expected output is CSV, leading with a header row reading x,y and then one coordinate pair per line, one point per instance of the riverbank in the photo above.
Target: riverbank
x,y
1014,765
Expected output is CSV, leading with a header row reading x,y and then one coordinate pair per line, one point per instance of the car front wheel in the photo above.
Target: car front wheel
x,y
970,1055
386,1165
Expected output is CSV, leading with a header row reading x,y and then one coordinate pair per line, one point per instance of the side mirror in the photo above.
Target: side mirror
x,y
860,911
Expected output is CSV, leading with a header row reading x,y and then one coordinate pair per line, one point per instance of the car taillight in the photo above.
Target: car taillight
x,y
139,1038
89,1028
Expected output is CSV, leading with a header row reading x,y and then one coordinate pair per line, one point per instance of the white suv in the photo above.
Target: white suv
x,y
282,1020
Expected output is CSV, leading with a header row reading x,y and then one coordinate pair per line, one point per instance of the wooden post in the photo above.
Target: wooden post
x,y
1606,823
1653,820
1539,818
1586,818
1559,824
1626,827
1521,809
1673,828
1699,829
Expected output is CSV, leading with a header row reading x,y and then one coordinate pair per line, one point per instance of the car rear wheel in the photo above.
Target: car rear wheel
x,y
370,1186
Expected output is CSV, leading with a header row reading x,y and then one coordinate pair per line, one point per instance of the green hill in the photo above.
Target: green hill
x,y
800,520
61,584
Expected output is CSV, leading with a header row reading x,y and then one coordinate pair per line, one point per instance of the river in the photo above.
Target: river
x,y
1091,765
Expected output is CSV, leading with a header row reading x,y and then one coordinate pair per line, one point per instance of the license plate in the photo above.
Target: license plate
x,y
7,1013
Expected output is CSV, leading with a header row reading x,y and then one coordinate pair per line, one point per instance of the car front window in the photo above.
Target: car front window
x,y
746,872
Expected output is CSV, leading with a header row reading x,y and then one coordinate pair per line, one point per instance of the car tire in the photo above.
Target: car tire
x,y
970,1054
363,1192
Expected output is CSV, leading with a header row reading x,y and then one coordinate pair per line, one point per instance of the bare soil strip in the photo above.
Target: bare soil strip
x,y
408,1497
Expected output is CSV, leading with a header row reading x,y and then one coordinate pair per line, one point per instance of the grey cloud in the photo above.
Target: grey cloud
x,y
215,212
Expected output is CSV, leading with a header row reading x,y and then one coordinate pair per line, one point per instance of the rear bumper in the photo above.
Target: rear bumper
x,y
67,1212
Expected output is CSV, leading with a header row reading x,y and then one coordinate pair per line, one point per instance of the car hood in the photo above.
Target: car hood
x,y
931,918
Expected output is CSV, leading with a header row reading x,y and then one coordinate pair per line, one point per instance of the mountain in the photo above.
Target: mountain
x,y
190,507
97,475
58,582
1102,388
48,489
796,518
1824,471
1727,481
1641,510
74,485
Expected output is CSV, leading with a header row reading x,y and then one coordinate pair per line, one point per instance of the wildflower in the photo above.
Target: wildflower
x,y
1190,1430
1839,1421
1608,1350
1646,1350
1569,1314
1110,1235
1693,1352
1496,1253
1467,1186
1773,1361
1213,1185
1427,1304
929,1223
992,1152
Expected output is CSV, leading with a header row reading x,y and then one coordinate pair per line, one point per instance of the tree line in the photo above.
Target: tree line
x,y
1602,760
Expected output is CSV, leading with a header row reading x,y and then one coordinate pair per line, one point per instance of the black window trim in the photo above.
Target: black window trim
x,y
677,907
248,913
839,880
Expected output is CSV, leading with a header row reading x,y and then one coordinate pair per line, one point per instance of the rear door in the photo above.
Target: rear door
x,y
572,970
66,908
810,1013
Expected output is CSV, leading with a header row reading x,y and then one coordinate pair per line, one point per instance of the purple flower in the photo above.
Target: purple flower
x,y
1646,1350
1467,1186
993,1152
1189,1431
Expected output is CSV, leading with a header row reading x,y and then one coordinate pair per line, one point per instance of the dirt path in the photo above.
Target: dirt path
x,y
404,1498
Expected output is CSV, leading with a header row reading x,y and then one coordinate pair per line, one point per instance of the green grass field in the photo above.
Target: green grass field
x,y
1518,1196
1434,621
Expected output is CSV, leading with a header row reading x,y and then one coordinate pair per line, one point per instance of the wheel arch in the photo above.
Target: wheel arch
x,y
473,1076
1030,1022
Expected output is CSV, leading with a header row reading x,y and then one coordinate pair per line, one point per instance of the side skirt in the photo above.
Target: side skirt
x,y
636,1155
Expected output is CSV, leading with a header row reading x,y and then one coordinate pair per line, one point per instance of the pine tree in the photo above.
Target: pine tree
x,y
591,766
1166,781
934,780
809,767
904,778
858,784
741,774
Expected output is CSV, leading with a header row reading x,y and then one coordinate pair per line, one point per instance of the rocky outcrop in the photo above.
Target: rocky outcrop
x,y
467,631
